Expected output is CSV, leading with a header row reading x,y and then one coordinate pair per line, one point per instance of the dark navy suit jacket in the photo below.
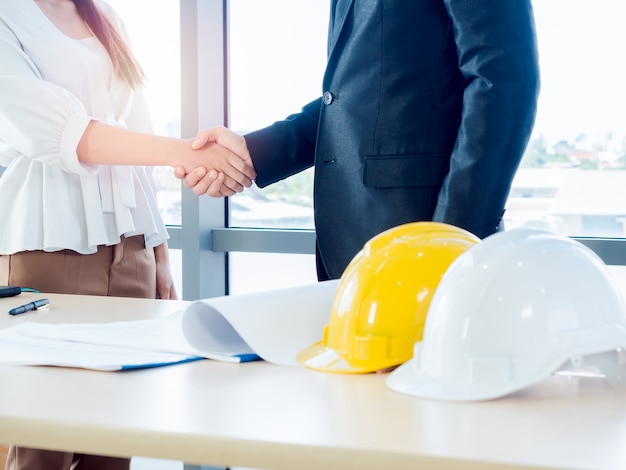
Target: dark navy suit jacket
x,y
426,109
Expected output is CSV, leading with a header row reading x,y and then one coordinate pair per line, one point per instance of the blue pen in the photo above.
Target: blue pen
x,y
34,305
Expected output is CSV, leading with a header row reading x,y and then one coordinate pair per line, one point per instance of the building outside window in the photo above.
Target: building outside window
x,y
572,178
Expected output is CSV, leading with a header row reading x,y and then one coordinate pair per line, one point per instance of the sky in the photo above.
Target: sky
x,y
583,66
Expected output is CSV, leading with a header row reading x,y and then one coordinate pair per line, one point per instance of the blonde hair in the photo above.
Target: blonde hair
x,y
124,63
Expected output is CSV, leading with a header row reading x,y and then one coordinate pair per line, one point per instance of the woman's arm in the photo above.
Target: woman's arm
x,y
101,143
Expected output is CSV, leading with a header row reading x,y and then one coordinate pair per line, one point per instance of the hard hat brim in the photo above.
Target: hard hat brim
x,y
322,358
409,380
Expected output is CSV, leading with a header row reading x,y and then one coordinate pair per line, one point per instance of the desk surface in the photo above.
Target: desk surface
x,y
265,416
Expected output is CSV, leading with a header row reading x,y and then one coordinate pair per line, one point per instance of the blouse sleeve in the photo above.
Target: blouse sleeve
x,y
38,119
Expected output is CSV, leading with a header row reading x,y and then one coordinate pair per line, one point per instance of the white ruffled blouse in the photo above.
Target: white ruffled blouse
x,y
51,87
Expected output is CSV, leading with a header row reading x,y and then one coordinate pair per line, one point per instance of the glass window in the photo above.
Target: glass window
x,y
573,175
156,44
277,55
257,272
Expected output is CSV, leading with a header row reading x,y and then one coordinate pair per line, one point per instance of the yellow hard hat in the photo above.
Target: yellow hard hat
x,y
379,309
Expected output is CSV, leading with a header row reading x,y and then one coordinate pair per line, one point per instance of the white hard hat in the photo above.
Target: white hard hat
x,y
511,311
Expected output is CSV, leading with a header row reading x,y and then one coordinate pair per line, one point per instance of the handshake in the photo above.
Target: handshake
x,y
220,165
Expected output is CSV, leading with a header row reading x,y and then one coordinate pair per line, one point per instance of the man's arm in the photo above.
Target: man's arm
x,y
497,54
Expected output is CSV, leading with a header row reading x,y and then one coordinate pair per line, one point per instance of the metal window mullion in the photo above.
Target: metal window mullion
x,y
263,241
611,250
203,106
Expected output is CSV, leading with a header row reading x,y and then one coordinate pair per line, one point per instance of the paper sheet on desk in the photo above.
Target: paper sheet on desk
x,y
163,335
19,349
273,326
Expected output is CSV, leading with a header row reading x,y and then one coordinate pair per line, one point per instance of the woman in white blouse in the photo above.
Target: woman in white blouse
x,y
76,217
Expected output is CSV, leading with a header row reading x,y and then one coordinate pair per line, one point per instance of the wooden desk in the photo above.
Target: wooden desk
x,y
264,416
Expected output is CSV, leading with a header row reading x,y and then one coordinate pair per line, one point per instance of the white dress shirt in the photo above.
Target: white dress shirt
x,y
51,87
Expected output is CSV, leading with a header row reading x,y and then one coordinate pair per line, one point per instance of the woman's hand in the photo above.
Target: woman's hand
x,y
164,281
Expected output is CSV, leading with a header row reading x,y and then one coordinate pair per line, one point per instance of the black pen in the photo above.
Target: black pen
x,y
34,305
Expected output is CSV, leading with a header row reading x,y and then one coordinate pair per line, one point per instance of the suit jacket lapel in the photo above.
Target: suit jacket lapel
x,y
339,12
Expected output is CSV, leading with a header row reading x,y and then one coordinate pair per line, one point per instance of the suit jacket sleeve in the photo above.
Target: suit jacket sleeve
x,y
498,57
286,147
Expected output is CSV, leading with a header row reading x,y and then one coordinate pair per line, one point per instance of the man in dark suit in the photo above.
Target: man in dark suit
x,y
426,111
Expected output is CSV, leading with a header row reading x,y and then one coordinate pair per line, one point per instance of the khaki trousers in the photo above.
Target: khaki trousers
x,y
127,269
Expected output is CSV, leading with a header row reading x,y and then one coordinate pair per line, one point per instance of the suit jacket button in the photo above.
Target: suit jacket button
x,y
327,97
